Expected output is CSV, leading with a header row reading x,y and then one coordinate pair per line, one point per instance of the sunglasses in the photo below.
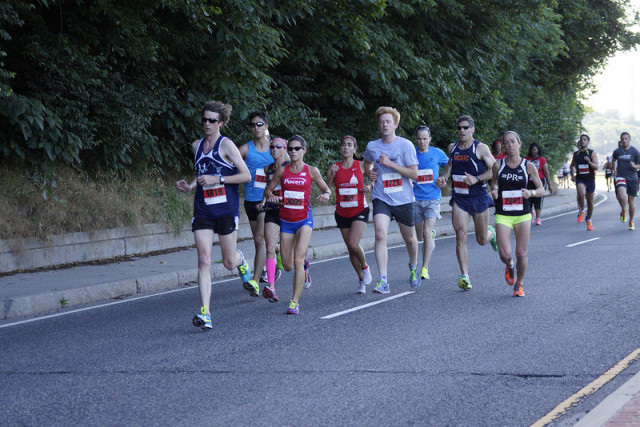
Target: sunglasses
x,y
212,121
279,146
298,148
463,127
256,124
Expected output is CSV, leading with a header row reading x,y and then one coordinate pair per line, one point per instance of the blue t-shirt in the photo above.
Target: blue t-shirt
x,y
428,171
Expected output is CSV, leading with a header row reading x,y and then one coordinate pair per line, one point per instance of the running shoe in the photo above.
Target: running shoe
x,y
307,275
510,275
366,276
294,308
278,274
538,221
269,293
464,283
433,237
533,217
517,290
424,273
581,216
414,279
589,225
252,287
381,288
202,320
631,226
263,276
623,216
243,269
362,288
494,239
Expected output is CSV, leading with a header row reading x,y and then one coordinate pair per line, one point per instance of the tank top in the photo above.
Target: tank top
x,y
256,162
466,161
350,200
296,188
584,171
214,201
271,170
511,182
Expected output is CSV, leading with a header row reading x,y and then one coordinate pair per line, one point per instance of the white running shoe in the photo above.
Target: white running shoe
x,y
362,288
366,277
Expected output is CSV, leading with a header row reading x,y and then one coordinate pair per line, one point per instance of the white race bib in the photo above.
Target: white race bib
x,y
293,199
261,179
459,186
583,169
215,194
425,176
512,201
392,182
348,197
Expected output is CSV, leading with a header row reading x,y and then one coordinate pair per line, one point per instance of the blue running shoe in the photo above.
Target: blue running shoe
x,y
381,288
494,239
202,320
414,279
243,269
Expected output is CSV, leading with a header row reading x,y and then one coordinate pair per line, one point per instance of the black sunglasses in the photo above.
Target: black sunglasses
x,y
463,127
212,121
279,146
298,148
256,124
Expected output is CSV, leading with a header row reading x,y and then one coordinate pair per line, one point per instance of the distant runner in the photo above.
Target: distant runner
x,y
584,165
626,163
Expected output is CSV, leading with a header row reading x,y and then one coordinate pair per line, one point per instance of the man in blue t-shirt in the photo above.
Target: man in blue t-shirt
x,y
426,208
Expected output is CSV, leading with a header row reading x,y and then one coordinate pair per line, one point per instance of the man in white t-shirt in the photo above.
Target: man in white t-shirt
x,y
391,163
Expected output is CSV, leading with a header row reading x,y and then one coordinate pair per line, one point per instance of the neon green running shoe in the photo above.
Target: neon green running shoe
x,y
424,273
279,261
494,239
464,283
202,320
252,287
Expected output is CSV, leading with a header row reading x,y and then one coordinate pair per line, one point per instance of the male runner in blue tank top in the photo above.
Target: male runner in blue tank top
x,y
470,165
256,155
219,169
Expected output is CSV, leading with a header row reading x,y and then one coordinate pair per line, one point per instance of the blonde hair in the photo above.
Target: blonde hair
x,y
388,110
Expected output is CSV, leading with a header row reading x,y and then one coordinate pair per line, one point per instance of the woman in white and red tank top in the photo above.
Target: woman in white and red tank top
x,y
352,211
296,217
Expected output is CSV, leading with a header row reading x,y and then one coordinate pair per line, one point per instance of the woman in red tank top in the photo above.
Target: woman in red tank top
x,y
352,211
296,218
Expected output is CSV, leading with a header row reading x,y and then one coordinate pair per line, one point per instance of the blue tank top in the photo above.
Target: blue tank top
x,y
216,201
466,161
256,162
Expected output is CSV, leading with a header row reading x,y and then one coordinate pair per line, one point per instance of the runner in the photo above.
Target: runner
x,y
256,155
352,211
391,163
608,172
535,157
470,163
496,150
271,207
219,169
296,216
584,165
426,208
626,163
510,187
566,172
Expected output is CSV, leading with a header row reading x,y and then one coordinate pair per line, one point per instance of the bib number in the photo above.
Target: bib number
x,y
425,176
583,169
512,201
459,186
392,183
215,194
261,179
293,199
348,197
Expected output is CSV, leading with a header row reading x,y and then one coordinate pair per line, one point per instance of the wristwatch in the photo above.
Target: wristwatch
x,y
222,180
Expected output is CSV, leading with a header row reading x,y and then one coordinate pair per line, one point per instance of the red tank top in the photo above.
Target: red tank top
x,y
350,199
296,188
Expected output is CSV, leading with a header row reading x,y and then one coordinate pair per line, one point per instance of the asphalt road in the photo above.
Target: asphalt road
x,y
438,356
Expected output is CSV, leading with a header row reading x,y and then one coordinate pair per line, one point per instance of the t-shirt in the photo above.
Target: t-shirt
x,y
623,162
539,163
428,171
391,187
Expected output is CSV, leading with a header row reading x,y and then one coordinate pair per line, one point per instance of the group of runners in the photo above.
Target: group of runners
x,y
405,182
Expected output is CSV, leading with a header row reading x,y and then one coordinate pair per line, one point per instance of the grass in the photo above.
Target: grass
x,y
81,203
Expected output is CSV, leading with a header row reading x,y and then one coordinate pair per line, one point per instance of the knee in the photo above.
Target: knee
x,y
521,256
258,240
204,261
381,236
229,264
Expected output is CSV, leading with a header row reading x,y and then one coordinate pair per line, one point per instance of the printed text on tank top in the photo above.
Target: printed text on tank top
x,y
459,185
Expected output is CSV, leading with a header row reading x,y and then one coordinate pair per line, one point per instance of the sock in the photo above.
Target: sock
x,y
271,271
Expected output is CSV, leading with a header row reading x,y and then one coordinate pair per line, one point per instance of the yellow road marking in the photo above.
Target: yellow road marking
x,y
591,388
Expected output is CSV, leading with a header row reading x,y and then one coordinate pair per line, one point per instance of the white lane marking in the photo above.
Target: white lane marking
x,y
361,307
572,212
582,243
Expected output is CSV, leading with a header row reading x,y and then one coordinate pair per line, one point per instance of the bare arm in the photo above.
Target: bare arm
x,y
230,153
533,173
441,182
317,178
494,180
488,159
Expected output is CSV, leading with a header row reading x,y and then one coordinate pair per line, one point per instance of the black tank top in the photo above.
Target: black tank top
x,y
511,182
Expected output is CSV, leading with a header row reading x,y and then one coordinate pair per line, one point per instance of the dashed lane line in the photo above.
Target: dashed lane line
x,y
361,307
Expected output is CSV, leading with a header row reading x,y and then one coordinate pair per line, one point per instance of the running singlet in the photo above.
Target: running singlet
x,y
256,162
428,171
466,161
296,189
511,182
350,200
214,201
539,163
271,170
584,171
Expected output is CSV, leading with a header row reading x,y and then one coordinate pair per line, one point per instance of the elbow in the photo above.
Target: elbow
x,y
245,177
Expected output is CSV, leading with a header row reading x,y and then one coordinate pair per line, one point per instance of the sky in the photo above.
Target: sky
x,y
618,85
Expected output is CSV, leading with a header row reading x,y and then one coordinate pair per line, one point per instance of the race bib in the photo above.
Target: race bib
x,y
391,182
261,179
512,200
293,199
620,181
425,176
459,186
348,197
277,191
215,194
583,169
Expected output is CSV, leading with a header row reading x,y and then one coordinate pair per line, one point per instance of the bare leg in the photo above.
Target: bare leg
x,y
352,237
460,221
257,230
426,227
522,232
301,245
204,241
381,224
